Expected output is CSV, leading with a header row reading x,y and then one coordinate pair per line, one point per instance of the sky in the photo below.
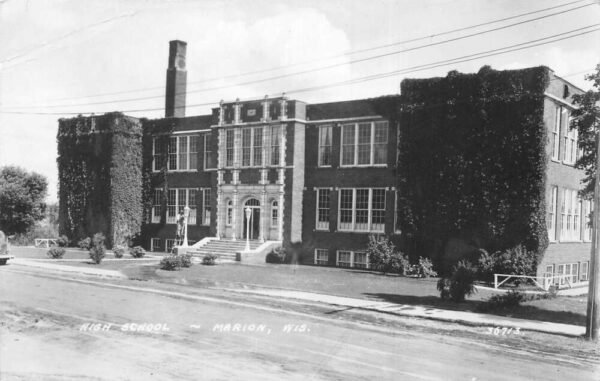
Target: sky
x,y
59,58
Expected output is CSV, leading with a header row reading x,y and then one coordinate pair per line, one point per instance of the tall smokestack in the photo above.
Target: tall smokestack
x,y
176,80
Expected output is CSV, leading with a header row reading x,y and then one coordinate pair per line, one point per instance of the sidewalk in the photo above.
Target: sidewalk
x,y
68,269
468,318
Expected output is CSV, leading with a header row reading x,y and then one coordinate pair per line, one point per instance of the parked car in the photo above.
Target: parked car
x,y
4,249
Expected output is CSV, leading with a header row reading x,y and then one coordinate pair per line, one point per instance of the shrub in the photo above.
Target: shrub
x,y
56,252
384,257
85,243
460,283
170,263
186,260
423,269
119,250
502,301
278,255
137,252
63,241
516,260
98,250
209,259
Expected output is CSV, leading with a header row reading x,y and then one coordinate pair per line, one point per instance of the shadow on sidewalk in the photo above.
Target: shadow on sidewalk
x,y
524,311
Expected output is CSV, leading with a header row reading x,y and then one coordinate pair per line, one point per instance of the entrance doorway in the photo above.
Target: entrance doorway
x,y
254,231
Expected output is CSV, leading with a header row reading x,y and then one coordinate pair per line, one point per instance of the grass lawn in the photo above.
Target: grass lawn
x,y
358,284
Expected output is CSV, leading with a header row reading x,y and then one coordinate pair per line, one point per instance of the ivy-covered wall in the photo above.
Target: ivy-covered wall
x,y
471,162
100,177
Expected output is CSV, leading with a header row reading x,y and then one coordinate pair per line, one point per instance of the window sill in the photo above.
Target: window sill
x,y
360,231
569,241
363,166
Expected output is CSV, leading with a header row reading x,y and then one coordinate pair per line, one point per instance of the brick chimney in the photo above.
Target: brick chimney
x,y
176,80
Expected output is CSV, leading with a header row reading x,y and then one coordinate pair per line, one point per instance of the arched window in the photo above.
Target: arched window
x,y
229,218
274,214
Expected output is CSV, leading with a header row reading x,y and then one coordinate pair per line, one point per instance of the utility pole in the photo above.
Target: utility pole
x,y
592,324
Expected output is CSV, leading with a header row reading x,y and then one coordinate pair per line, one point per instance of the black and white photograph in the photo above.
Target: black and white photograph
x,y
299,190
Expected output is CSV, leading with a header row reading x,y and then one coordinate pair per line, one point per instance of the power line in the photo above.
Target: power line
x,y
461,59
260,71
337,64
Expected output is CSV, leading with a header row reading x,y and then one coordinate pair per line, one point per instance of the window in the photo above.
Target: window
x,y
570,138
155,244
209,162
257,146
551,221
177,199
362,210
158,150
321,257
229,218
346,258
583,275
323,203
169,243
325,146
229,149
206,206
360,260
560,271
549,271
556,133
182,153
364,143
275,144
574,272
570,214
252,147
156,206
274,214
587,218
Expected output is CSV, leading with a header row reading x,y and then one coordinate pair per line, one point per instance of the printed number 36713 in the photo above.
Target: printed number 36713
x,y
503,331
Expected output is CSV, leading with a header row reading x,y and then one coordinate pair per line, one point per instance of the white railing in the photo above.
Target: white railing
x,y
544,282
46,242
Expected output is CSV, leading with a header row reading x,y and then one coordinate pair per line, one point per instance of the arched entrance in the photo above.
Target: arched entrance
x,y
254,231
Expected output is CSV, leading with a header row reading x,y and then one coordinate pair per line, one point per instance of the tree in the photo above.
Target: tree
x,y
22,197
585,120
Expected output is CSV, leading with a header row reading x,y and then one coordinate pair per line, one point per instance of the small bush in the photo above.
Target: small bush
x,y
209,259
98,250
85,243
186,260
137,252
63,241
56,252
423,269
384,257
170,263
278,255
504,301
460,283
119,251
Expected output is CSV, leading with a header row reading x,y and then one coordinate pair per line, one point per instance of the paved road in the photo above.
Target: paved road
x,y
42,339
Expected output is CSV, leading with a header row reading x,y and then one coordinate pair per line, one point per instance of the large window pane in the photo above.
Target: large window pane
x,y
380,143
348,144
346,209
183,142
364,143
246,146
362,209
257,146
325,145
172,157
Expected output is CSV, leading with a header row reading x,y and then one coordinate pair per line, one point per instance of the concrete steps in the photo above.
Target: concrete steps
x,y
224,249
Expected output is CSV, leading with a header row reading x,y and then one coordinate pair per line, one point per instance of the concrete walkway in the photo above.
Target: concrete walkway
x,y
462,317
68,269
